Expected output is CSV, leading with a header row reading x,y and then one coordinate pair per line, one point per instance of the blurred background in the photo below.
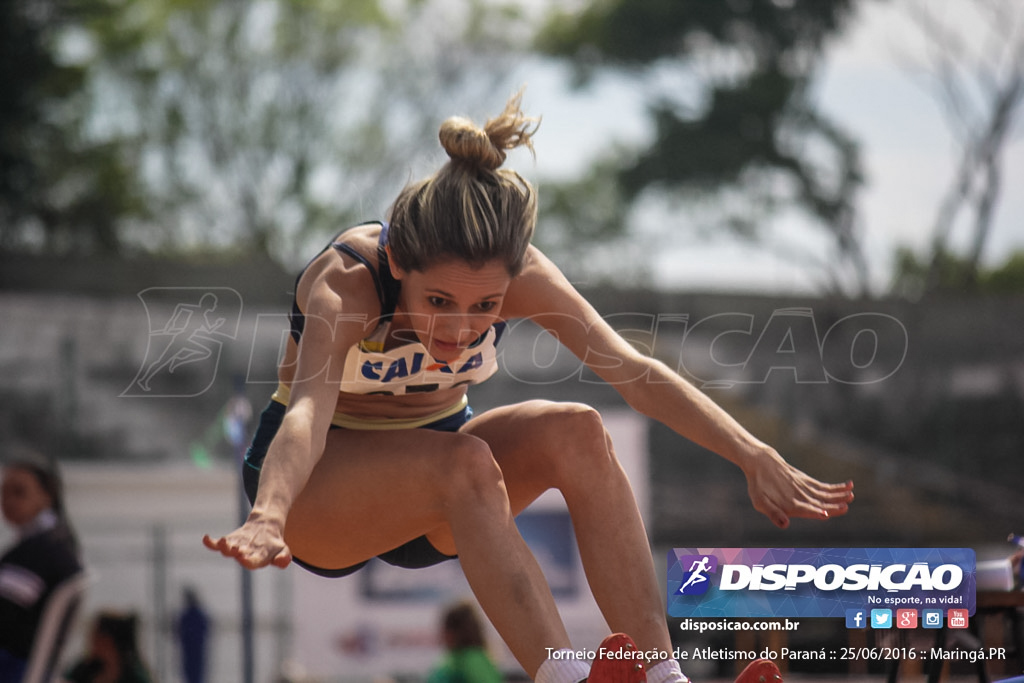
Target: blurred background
x,y
810,208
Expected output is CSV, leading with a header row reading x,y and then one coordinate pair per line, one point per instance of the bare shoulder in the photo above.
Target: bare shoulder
x,y
544,295
541,288
363,238
335,282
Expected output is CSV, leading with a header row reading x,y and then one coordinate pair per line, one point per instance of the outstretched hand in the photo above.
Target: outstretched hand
x,y
255,544
780,492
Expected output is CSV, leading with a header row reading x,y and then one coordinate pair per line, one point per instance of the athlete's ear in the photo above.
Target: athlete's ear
x,y
396,271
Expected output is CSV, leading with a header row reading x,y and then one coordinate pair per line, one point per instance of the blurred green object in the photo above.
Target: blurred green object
x,y
200,456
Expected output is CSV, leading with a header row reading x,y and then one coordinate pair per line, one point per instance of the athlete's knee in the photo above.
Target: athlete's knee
x,y
585,420
582,444
472,473
579,429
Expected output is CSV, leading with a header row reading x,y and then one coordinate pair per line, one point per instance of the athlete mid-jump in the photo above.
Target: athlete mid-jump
x,y
368,447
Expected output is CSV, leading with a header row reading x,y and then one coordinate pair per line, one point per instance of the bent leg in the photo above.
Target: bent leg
x,y
375,490
541,445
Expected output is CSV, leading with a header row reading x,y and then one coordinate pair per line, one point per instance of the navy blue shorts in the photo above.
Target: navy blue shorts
x,y
415,554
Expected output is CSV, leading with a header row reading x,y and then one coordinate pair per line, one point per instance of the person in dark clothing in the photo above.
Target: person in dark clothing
x,y
113,654
193,635
44,555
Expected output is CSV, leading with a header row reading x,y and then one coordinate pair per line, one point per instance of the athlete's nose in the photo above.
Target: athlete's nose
x,y
456,327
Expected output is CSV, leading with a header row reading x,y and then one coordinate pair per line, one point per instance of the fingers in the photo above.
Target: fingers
x,y
780,520
221,545
774,513
802,497
282,559
251,555
816,510
833,499
776,517
822,501
224,546
834,493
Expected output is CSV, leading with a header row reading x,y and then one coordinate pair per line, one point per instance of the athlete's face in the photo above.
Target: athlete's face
x,y
450,304
22,497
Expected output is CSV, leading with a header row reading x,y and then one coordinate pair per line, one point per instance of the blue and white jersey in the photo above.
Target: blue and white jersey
x,y
410,369
406,369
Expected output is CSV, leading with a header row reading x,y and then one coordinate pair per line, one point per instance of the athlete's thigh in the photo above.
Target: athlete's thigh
x,y
370,492
529,441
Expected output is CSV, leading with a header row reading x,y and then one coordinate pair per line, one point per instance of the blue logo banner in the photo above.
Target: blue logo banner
x,y
817,582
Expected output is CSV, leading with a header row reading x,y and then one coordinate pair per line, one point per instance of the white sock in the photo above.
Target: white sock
x,y
667,671
563,667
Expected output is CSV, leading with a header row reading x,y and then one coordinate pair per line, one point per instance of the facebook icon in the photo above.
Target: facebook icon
x,y
856,618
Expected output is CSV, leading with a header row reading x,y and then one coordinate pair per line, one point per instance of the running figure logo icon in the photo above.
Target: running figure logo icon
x,y
188,328
696,581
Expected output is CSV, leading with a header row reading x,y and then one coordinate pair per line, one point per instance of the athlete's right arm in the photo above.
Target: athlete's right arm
x,y
301,438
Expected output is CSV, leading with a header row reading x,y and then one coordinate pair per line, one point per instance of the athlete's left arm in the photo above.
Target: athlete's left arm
x,y
777,489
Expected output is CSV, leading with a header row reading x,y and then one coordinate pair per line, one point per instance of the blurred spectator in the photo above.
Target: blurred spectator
x,y
193,635
466,659
43,556
113,653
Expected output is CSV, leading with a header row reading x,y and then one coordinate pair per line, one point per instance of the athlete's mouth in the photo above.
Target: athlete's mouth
x,y
448,346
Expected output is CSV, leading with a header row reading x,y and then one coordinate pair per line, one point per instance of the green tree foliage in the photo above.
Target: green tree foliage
x,y
182,126
728,87
266,125
24,66
917,276
59,189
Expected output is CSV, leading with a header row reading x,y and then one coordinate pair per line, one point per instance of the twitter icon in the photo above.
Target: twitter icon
x,y
881,618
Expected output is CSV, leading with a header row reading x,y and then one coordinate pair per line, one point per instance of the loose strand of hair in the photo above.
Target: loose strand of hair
x,y
512,128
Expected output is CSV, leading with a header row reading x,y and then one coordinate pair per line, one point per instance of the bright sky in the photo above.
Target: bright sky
x,y
906,147
908,150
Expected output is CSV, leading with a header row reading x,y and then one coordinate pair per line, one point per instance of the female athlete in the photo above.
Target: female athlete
x,y
368,449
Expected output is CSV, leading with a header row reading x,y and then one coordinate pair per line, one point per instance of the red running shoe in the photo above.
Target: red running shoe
x,y
618,661
760,671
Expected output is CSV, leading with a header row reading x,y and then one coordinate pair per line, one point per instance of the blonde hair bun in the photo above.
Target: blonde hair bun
x,y
471,208
485,147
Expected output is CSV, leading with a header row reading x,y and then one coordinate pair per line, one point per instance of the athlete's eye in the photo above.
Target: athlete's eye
x,y
487,306
437,301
